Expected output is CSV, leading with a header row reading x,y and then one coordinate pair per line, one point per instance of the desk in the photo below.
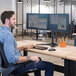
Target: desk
x,y
68,53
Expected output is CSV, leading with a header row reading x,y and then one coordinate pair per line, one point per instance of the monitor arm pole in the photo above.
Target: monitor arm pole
x,y
52,43
36,34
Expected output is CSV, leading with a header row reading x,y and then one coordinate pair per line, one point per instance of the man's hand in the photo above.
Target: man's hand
x,y
29,46
34,58
25,58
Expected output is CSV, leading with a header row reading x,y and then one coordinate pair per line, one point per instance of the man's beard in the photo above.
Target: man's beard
x,y
11,26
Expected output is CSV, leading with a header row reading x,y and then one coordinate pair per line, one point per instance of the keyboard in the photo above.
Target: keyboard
x,y
40,48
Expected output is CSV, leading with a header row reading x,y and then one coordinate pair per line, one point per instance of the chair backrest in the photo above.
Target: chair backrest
x,y
3,59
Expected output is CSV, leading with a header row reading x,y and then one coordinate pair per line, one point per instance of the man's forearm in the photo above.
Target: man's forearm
x,y
28,46
22,59
25,58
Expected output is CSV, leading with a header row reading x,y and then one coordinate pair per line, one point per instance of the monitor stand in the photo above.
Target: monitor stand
x,y
52,43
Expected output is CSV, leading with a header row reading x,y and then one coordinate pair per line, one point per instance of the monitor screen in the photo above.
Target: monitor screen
x,y
37,21
53,22
58,22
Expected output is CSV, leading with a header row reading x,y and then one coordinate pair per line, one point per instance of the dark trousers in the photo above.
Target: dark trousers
x,y
41,65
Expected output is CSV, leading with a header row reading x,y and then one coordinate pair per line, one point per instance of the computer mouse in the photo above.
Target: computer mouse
x,y
52,49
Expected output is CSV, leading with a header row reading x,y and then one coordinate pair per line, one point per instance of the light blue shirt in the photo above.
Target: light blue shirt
x,y
10,46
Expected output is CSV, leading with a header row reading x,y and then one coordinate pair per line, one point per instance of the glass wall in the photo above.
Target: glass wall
x,y
33,6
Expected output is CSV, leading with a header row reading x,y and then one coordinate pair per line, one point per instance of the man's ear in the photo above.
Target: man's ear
x,y
6,20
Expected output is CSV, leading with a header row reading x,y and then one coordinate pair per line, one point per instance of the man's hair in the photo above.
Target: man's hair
x,y
6,14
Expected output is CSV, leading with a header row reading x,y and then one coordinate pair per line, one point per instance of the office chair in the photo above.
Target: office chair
x,y
6,68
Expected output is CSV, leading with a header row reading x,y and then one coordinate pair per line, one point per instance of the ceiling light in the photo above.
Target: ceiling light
x,y
19,1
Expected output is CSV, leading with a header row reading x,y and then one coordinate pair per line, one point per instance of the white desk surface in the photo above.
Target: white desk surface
x,y
68,52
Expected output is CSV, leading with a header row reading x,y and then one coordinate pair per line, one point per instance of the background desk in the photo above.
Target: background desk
x,y
68,53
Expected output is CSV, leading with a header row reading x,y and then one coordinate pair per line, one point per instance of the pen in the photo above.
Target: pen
x,y
62,39
66,39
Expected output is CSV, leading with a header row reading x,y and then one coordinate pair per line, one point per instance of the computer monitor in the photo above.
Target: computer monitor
x,y
37,21
52,22
58,22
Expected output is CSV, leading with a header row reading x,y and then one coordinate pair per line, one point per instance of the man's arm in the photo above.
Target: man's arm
x,y
27,46
12,54
25,58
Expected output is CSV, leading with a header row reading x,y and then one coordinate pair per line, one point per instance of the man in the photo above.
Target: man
x,y
12,53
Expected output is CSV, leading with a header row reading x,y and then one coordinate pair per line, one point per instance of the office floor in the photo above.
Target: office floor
x,y
52,59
